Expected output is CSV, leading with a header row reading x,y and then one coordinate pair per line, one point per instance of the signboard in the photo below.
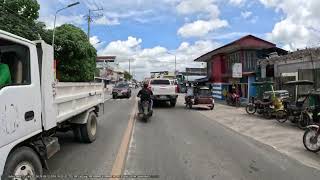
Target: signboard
x,y
237,70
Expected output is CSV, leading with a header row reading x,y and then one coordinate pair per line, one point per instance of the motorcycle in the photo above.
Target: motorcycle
x,y
269,106
311,139
257,106
144,111
233,99
296,113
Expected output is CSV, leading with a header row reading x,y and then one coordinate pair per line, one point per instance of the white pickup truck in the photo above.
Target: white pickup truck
x,y
164,90
33,107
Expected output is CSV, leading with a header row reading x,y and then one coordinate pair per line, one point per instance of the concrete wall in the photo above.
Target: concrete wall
x,y
295,65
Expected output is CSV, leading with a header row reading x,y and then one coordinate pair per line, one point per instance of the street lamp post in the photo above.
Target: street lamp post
x,y
175,62
55,18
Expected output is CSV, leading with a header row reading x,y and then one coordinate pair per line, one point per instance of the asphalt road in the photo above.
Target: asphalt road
x,y
182,144
97,158
176,144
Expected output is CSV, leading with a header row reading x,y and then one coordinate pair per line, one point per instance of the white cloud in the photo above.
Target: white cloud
x,y
106,21
96,42
237,2
246,14
123,49
209,21
301,25
114,11
201,28
62,19
196,6
145,60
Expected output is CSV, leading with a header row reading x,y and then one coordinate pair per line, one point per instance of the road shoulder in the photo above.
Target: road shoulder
x,y
285,138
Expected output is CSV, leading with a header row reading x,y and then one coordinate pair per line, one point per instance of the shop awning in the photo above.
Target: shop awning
x,y
202,80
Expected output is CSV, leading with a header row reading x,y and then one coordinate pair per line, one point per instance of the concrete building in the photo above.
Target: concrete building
x,y
109,69
234,65
299,65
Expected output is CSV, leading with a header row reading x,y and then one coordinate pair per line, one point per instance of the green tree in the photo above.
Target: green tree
x,y
19,17
76,56
127,76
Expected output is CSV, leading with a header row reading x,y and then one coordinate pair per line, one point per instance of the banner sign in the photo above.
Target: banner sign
x,y
237,70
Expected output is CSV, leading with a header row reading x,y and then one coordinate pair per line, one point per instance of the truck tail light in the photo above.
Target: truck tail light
x,y
149,87
177,89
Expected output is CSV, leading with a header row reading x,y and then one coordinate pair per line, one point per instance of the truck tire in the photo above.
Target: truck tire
x,y
173,103
89,130
22,162
77,133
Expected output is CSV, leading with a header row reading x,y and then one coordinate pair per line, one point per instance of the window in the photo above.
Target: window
x,y
122,85
14,64
160,82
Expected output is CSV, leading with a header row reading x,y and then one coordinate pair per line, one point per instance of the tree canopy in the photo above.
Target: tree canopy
x,y
76,56
19,17
127,75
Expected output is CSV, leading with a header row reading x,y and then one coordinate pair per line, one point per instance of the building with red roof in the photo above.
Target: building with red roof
x,y
235,65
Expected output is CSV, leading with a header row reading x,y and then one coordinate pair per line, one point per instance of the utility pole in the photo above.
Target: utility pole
x,y
129,66
175,62
90,18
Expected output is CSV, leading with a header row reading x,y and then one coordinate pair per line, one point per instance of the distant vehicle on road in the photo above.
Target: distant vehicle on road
x,y
121,89
164,90
201,97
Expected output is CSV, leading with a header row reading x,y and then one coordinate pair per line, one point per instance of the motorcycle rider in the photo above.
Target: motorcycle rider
x,y
145,95
189,94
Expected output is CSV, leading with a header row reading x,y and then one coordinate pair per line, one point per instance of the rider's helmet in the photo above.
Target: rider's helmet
x,y
145,85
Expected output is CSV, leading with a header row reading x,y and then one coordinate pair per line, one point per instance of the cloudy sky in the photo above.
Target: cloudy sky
x,y
146,31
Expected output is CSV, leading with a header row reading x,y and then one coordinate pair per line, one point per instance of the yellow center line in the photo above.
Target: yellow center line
x,y
119,162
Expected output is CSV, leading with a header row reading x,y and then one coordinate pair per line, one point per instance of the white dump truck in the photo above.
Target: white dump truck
x,y
33,107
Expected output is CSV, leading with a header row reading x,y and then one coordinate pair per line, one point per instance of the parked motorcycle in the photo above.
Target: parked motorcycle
x,y
296,113
144,111
233,99
269,106
261,107
311,140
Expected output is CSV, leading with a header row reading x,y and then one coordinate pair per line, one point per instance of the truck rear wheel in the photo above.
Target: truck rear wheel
x,y
89,130
22,162
77,133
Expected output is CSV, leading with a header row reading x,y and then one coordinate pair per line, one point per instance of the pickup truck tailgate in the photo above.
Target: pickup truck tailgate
x,y
163,89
